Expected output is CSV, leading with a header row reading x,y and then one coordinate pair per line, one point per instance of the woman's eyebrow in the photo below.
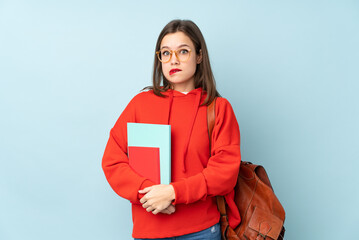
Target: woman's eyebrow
x,y
182,45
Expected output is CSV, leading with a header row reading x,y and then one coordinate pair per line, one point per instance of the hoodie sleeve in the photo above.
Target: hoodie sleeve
x,y
220,175
115,164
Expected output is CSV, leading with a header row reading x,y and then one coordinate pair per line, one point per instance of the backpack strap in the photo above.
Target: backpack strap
x,y
210,121
221,203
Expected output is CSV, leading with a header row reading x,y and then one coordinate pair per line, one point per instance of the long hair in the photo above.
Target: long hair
x,y
203,76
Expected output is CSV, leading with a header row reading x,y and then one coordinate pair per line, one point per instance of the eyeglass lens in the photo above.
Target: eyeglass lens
x,y
182,55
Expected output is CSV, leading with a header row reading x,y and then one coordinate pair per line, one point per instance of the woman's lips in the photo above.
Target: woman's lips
x,y
173,71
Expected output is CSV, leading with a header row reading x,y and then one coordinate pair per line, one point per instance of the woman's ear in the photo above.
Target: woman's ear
x,y
199,57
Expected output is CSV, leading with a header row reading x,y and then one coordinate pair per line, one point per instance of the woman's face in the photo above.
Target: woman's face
x,y
180,73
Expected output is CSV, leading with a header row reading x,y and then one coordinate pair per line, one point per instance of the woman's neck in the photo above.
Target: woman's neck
x,y
184,88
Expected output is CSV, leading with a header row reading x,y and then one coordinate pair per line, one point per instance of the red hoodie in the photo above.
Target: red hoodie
x,y
196,177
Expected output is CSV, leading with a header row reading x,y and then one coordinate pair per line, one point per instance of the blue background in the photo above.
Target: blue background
x,y
68,69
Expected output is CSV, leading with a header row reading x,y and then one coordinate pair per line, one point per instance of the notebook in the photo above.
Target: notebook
x,y
149,151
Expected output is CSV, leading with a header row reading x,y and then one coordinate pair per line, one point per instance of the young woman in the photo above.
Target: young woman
x,y
183,86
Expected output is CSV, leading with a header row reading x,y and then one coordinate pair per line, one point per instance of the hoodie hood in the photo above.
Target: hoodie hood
x,y
192,113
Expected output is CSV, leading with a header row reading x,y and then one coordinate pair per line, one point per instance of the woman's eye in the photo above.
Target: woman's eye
x,y
183,51
165,53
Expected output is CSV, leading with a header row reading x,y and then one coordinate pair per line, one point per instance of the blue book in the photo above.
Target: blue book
x,y
156,136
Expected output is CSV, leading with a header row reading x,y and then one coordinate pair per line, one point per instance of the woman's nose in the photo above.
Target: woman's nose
x,y
174,58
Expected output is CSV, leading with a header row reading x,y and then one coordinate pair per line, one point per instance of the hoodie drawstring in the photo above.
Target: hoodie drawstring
x,y
170,100
194,115
196,107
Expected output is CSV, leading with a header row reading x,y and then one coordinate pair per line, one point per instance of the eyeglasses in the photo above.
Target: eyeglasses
x,y
165,55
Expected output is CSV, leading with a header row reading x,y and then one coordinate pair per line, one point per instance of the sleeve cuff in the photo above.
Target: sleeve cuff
x,y
174,202
190,190
145,183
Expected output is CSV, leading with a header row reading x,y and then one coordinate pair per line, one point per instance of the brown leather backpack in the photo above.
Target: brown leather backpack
x,y
262,215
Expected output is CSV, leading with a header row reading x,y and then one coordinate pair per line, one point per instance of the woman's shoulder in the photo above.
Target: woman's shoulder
x,y
223,106
221,101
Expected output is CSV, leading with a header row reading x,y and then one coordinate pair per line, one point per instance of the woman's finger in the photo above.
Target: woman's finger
x,y
155,211
143,199
145,205
165,211
145,190
150,209
171,208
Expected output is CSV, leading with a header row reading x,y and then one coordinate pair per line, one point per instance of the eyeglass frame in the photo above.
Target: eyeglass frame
x,y
171,52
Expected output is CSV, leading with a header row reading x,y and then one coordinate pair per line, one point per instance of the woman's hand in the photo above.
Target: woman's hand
x,y
157,197
169,210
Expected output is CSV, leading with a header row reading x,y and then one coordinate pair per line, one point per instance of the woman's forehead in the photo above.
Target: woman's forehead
x,y
176,40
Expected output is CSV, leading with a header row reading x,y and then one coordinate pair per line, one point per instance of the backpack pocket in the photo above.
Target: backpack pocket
x,y
265,224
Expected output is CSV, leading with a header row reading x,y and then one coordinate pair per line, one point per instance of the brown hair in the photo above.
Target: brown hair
x,y
203,76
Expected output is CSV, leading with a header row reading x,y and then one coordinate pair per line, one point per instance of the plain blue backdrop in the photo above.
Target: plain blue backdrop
x,y
69,68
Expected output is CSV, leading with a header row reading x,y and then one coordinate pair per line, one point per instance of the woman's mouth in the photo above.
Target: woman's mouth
x,y
173,71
